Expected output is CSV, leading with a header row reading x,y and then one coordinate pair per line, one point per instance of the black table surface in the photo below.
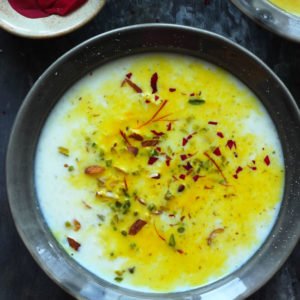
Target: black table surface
x,y
23,60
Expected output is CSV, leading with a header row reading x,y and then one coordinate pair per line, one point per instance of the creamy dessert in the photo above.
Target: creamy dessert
x,y
159,172
290,6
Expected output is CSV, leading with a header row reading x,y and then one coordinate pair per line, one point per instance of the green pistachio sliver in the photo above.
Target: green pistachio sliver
x,y
118,279
64,151
196,101
172,241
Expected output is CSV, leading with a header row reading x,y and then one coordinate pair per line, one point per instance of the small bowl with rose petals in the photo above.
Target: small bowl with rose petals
x,y
41,19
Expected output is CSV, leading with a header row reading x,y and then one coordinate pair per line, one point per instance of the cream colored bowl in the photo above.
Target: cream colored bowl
x,y
48,27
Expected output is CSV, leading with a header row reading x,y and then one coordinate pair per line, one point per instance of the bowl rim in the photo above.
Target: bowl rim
x,y
271,17
51,70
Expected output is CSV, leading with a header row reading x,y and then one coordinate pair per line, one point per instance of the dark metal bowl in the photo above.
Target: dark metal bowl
x,y
123,42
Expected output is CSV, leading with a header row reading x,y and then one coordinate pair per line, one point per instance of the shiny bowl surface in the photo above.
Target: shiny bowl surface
x,y
109,46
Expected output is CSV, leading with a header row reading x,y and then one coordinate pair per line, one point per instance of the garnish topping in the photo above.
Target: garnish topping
x,y
267,160
154,79
130,148
213,234
94,170
172,90
132,85
186,139
196,101
157,133
64,151
181,188
217,152
220,134
216,165
230,144
136,226
237,171
150,143
136,137
212,123
152,160
73,244
172,241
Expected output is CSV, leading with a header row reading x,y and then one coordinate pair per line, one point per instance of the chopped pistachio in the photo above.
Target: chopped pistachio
x,y
64,151
172,241
181,229
196,101
118,279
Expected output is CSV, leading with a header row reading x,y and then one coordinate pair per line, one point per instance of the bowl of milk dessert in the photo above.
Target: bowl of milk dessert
x,y
157,162
279,16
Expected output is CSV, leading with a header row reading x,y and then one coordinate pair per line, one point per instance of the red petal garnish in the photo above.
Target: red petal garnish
x,y
136,226
196,177
188,166
216,165
168,160
155,176
220,134
154,79
237,171
158,149
73,244
128,75
150,143
124,137
267,160
132,85
169,126
213,235
152,160
136,137
230,144
156,97
133,150
183,156
212,123
217,152
192,94
182,176
252,168
172,90
147,101
186,139
157,133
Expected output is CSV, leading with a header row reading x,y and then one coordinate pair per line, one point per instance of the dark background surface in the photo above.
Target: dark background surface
x,y
23,60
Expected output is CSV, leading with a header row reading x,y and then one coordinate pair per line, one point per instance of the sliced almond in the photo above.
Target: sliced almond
x,y
94,170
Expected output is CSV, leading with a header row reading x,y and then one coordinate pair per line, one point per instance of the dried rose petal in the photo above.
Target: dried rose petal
x,y
152,160
267,160
217,152
154,79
